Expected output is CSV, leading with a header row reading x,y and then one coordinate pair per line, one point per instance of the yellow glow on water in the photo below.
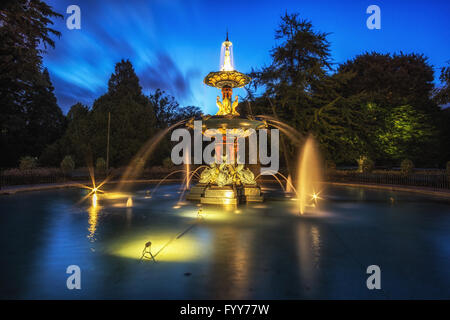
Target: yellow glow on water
x,y
94,200
115,195
260,206
210,213
165,247
93,217
129,202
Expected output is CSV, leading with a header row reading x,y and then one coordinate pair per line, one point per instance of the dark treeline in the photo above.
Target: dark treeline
x,y
30,118
379,106
384,107
33,125
134,118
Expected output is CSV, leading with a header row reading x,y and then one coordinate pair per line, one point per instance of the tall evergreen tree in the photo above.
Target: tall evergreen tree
x,y
168,111
74,142
45,120
24,36
132,116
300,91
442,94
299,64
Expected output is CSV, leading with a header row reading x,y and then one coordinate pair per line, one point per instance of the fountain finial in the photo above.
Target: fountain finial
x,y
226,79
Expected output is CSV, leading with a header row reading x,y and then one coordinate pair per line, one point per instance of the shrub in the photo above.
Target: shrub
x,y
34,176
100,166
167,163
330,166
406,166
67,165
365,164
27,163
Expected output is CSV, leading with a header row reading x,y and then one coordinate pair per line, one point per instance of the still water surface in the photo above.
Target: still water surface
x,y
257,251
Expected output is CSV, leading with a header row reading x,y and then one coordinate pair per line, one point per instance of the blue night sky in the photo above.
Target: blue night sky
x,y
173,44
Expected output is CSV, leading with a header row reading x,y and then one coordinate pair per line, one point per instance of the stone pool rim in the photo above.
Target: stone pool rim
x,y
10,190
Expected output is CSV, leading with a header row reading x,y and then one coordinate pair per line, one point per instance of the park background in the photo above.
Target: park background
x,y
375,100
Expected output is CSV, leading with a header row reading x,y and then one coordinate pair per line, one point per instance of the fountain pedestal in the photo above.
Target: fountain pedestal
x,y
212,194
253,194
221,195
196,192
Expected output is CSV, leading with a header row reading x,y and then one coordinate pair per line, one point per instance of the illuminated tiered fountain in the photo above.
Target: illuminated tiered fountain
x,y
225,181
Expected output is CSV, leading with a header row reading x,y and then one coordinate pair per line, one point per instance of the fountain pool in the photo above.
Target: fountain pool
x,y
253,251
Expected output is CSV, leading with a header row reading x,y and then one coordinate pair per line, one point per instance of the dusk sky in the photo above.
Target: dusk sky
x,y
173,44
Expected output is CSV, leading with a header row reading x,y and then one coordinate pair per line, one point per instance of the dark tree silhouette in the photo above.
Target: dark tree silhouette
x,y
25,90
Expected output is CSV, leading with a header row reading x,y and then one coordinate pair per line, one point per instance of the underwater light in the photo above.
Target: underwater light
x,y
147,251
315,196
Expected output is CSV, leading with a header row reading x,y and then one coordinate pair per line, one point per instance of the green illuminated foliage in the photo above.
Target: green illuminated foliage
x,y
406,133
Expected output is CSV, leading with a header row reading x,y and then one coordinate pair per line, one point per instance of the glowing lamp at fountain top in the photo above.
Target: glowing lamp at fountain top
x,y
227,64
227,77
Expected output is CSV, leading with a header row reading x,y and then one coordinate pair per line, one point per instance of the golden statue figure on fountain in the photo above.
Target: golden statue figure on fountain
x,y
227,174
226,108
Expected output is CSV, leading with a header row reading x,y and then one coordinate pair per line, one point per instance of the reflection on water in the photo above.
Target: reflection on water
x,y
309,246
93,217
129,202
230,264
129,215
257,251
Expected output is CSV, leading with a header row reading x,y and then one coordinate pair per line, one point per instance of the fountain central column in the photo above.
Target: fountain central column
x,y
226,182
